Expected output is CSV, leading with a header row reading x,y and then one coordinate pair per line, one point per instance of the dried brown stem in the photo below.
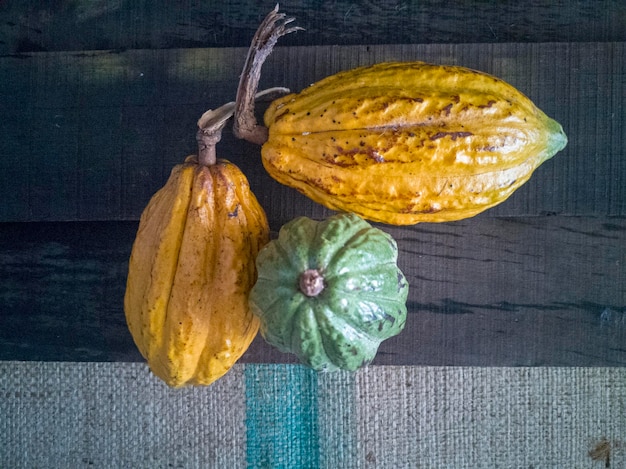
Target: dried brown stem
x,y
212,122
311,282
210,127
273,26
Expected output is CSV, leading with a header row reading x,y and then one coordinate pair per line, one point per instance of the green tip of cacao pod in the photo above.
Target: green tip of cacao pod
x,y
557,140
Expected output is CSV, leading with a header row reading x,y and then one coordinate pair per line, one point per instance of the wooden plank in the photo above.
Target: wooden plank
x,y
531,291
91,136
65,25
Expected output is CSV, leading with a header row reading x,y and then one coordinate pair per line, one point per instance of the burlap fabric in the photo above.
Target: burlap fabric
x,y
117,415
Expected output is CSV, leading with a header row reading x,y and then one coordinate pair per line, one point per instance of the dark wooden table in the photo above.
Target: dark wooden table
x,y
99,101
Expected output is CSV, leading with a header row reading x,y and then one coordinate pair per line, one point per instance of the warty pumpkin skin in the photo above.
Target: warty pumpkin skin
x,y
330,291
190,272
408,142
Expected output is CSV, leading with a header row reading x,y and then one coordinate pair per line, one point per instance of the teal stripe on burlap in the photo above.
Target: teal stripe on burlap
x,y
281,417
337,419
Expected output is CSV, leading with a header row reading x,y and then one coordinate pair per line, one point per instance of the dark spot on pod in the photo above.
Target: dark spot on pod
x,y
372,153
401,281
389,318
452,135
234,213
430,209
488,105
280,116
488,148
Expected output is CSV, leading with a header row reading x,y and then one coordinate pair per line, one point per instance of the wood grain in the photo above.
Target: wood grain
x,y
62,25
532,291
91,136
100,99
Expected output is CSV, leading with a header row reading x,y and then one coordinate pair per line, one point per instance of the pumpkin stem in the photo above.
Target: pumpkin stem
x,y
264,40
311,282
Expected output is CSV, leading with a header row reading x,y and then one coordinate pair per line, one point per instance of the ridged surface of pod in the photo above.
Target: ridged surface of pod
x,y
408,142
190,272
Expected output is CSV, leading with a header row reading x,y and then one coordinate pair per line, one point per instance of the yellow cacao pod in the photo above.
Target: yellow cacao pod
x,y
191,269
408,142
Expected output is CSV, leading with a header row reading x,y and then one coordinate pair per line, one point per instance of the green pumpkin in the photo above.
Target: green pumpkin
x,y
330,291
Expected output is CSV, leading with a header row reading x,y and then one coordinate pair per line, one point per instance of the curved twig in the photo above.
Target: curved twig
x,y
273,27
212,122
